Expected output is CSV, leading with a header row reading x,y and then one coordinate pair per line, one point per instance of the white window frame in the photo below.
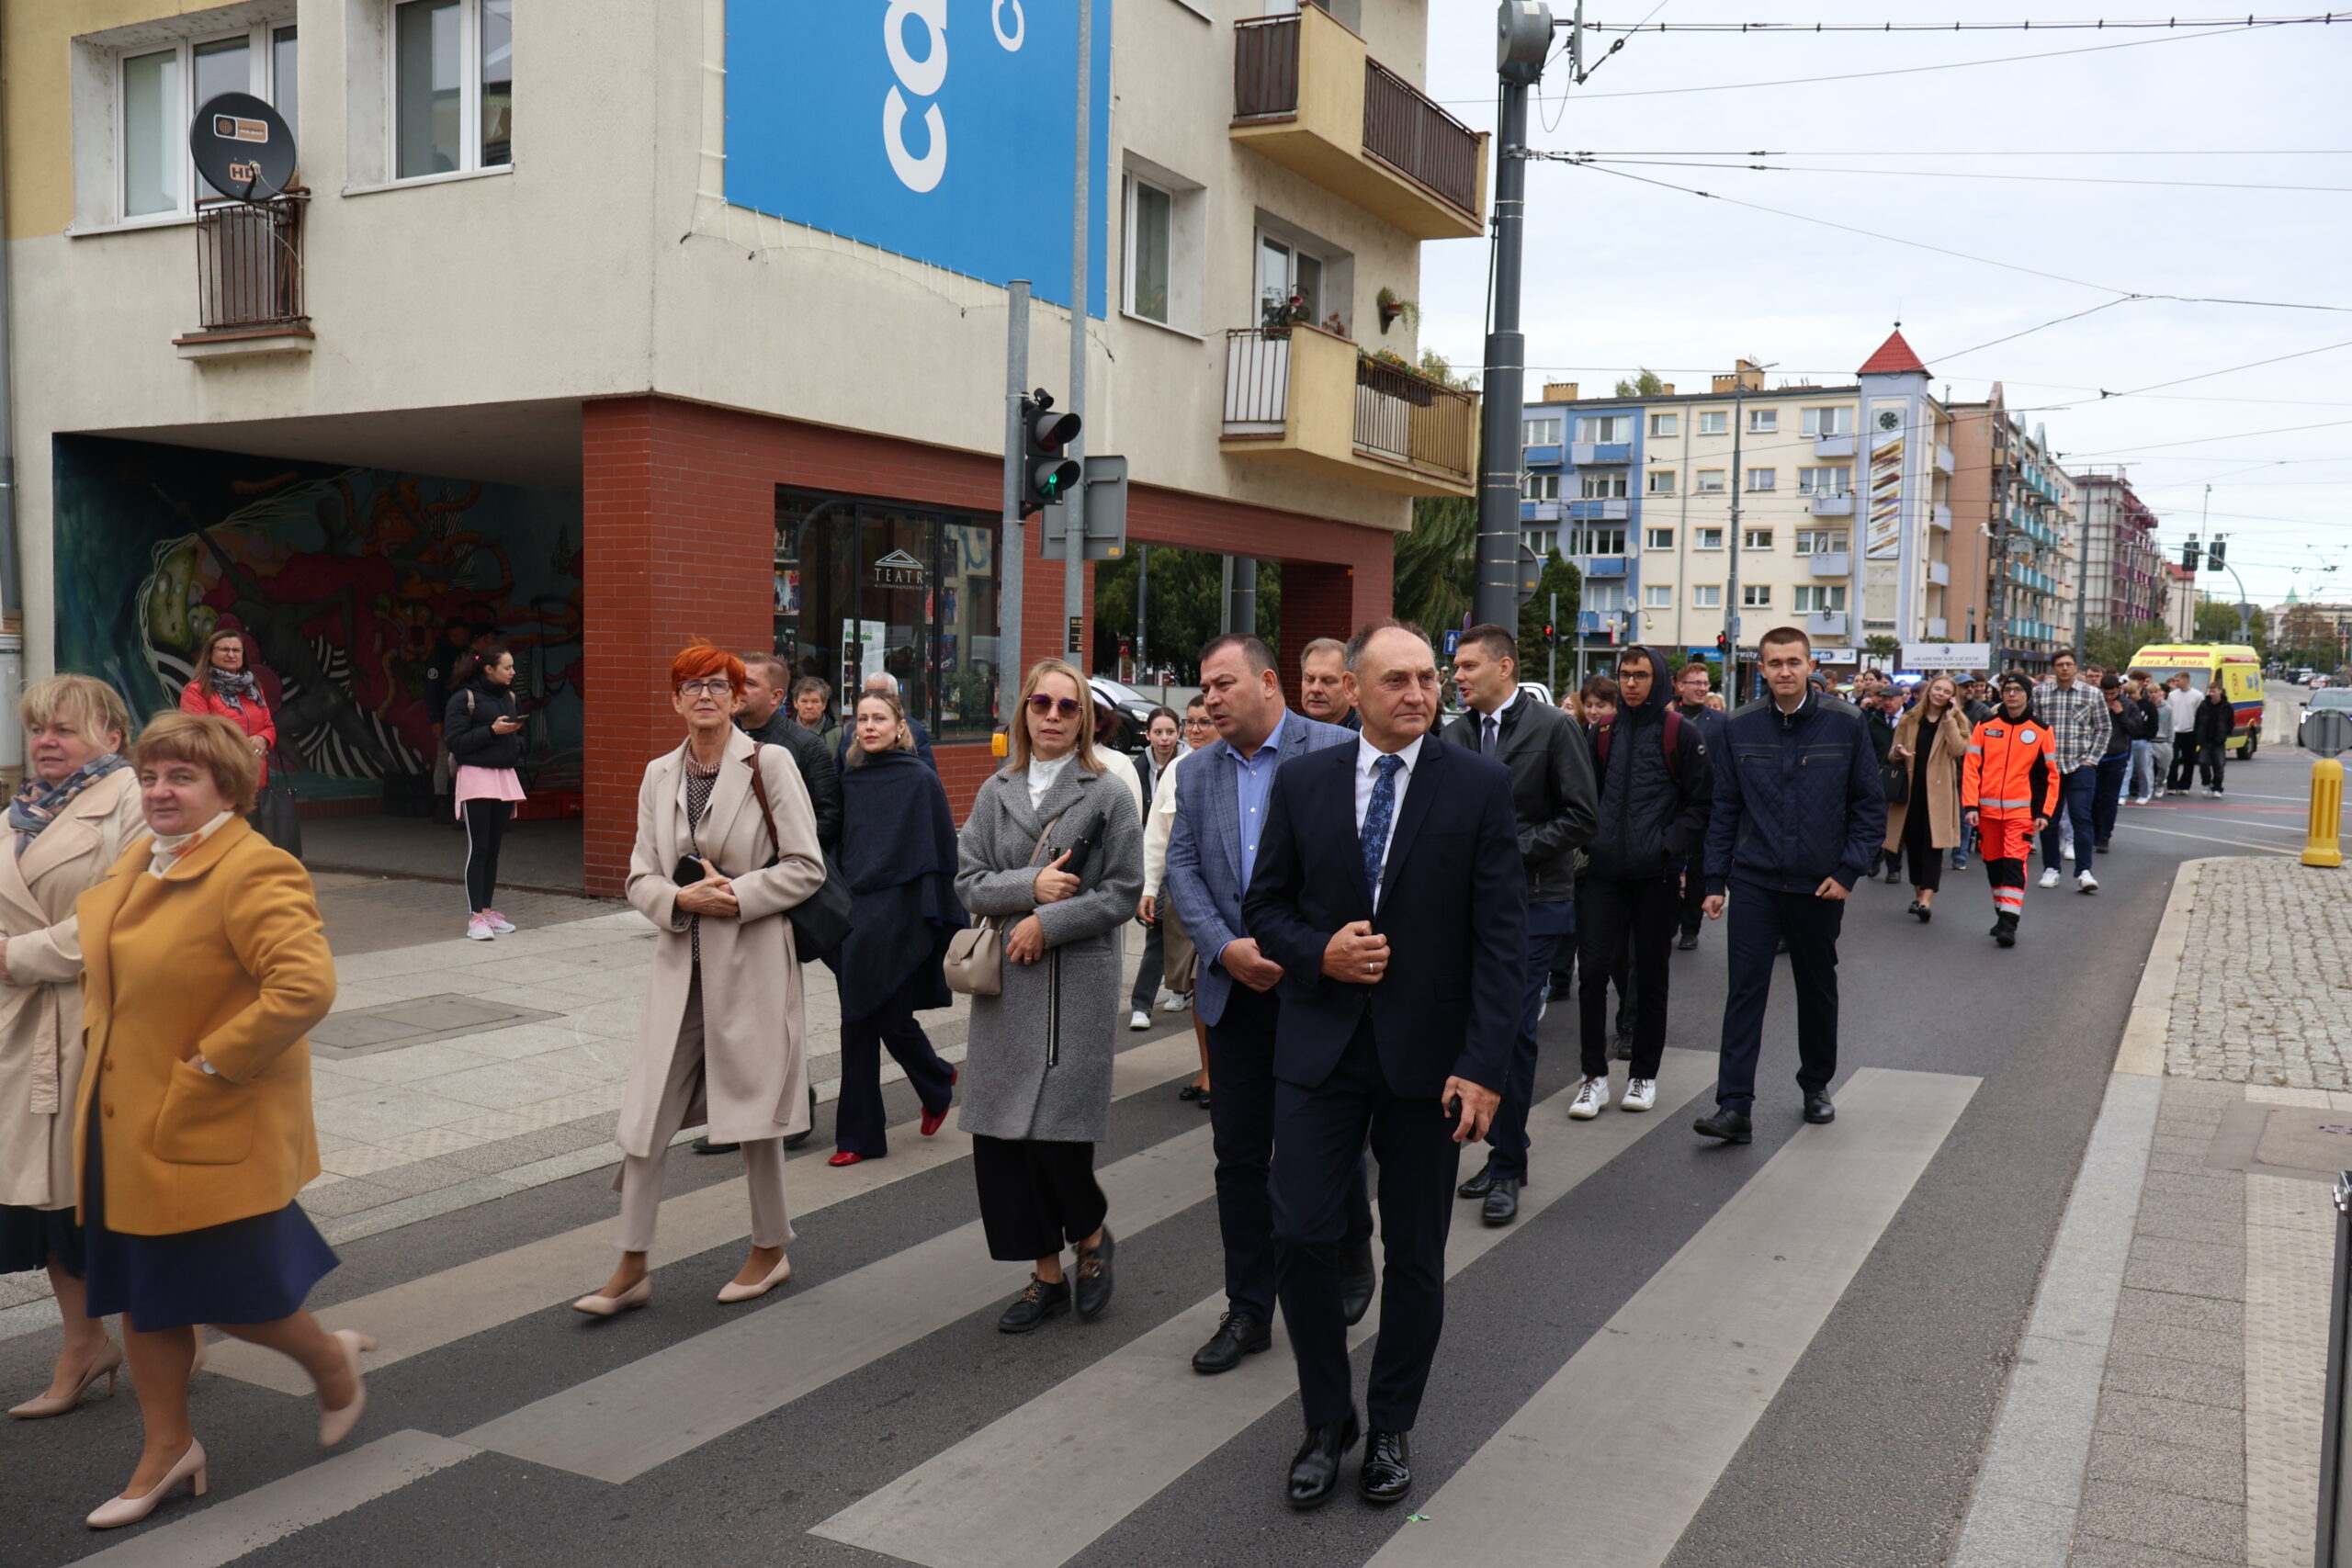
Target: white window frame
x,y
1763,422
1755,595
1703,488
468,99
1539,431
1657,539
1599,539
1839,479
1714,422
1820,599
1602,484
1665,425
1821,541
1839,418
1762,481
260,74
1129,254
1707,537
1657,596
1589,425
1542,486
1706,595
1755,539
1661,482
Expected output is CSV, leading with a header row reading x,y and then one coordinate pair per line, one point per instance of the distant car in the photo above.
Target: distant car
x,y
2333,697
1132,706
2315,681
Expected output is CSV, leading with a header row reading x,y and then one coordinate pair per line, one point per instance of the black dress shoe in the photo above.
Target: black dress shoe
x,y
1034,1305
1818,1110
1687,942
1388,1473
703,1145
1731,1126
1190,1092
1502,1200
1357,1283
1094,1277
1238,1334
1315,1468
1476,1186
1203,1101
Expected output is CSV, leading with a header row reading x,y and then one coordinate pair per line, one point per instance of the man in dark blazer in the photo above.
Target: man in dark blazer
x,y
1552,795
1389,888
1220,825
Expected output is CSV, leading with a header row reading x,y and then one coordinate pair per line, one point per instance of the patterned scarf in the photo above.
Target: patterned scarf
x,y
233,686
38,804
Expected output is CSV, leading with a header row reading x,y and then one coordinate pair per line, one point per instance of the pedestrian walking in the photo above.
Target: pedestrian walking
x,y
70,823
2126,728
2149,730
2180,706
205,965
2076,713
1697,704
1390,889
1656,786
484,731
1930,742
1212,855
1163,743
898,856
1799,816
1154,908
726,845
1053,847
226,685
2216,720
1323,684
2009,789
1554,802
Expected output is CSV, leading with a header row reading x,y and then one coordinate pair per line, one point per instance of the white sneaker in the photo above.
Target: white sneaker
x,y
1640,1094
2086,883
1592,1099
1138,1019
2066,847
2049,877
1177,1002
478,929
1544,1005
2143,800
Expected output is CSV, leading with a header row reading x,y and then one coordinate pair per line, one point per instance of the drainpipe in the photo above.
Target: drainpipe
x,y
12,595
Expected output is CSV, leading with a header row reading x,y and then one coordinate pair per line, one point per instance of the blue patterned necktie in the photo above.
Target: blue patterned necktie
x,y
1376,818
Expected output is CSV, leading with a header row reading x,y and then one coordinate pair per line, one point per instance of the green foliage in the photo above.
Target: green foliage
x,y
2111,648
1439,368
1644,385
2219,623
1436,562
1181,605
1881,648
1560,578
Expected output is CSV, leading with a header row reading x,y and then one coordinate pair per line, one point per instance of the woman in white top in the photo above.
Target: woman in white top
x,y
1159,822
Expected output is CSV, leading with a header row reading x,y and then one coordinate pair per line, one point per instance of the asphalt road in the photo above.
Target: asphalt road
x,y
1872,1418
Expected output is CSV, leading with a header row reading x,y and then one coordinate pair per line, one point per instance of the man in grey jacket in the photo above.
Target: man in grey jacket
x,y
1553,796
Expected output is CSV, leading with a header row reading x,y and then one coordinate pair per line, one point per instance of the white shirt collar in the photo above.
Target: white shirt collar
x,y
1368,755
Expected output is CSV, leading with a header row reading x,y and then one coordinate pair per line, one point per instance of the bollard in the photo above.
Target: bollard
x,y
2335,1519
2328,806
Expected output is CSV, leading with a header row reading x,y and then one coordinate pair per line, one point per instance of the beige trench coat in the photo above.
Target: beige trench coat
x,y
1951,743
41,1008
755,1078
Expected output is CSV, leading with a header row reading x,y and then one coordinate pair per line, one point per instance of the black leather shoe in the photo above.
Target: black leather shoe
x,y
1388,1473
703,1145
1034,1305
1476,1186
1818,1110
2005,929
1203,1101
1357,1283
1190,1092
1502,1200
1315,1468
1687,942
1094,1277
1238,1334
1731,1126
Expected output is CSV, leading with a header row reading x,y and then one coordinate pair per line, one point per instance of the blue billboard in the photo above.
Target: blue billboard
x,y
942,130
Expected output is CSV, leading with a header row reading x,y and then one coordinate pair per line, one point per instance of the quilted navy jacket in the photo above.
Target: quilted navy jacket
x,y
1797,797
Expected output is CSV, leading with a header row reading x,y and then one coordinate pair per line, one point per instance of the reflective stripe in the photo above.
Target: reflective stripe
x,y
2005,804
1976,751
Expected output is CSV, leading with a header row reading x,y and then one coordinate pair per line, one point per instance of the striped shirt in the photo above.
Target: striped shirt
x,y
2077,718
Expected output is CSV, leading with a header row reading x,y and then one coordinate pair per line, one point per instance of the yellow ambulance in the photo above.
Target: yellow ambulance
x,y
2239,667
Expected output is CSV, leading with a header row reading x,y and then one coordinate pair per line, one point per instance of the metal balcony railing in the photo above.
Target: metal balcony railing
x,y
1418,139
1401,413
249,264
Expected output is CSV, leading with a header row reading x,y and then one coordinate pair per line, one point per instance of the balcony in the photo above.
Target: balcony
x,y
1939,628
1539,511
1830,563
1939,516
1939,573
1585,454
1307,95
1831,503
1542,457
249,280
1943,460
1612,509
1824,624
1602,566
1308,399
1832,446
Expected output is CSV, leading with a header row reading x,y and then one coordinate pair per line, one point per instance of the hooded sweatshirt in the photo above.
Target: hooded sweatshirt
x,y
1652,811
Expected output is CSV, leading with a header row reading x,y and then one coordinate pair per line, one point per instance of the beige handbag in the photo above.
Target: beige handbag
x,y
974,961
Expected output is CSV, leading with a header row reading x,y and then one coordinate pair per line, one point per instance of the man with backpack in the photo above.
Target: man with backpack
x,y
1656,784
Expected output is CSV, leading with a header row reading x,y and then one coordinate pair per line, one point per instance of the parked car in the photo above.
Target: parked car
x,y
2331,697
1133,710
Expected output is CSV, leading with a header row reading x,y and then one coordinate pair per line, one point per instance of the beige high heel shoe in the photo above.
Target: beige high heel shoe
x,y
732,1291
117,1512
336,1424
105,1366
636,1296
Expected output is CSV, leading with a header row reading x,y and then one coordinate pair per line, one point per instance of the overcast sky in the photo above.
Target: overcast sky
x,y
1620,274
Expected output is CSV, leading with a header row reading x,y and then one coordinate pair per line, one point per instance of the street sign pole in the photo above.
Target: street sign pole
x,y
1074,567
1010,556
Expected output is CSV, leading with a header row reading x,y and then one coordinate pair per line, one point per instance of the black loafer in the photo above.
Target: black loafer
x,y
1387,1473
1476,1186
1687,942
1094,1277
1502,1202
1190,1092
1034,1305
703,1145
1357,1284
1315,1468
1818,1110
1731,1126
1238,1334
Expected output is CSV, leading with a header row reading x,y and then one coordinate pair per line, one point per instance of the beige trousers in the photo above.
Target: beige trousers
x,y
641,1178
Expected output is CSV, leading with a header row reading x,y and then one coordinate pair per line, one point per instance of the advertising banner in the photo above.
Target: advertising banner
x,y
1947,655
1883,540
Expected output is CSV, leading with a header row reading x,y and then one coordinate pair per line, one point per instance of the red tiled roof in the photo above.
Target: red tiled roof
x,y
1893,358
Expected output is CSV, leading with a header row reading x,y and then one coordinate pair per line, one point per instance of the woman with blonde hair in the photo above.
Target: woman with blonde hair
x,y
1054,850
206,967
1931,740
78,809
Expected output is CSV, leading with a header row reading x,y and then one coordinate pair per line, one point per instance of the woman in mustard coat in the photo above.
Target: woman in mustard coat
x,y
205,965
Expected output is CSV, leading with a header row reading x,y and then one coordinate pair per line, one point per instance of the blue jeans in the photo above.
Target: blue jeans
x,y
1507,1134
2143,781
2075,792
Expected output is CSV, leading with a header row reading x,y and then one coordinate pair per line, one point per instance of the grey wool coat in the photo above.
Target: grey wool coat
x,y
1037,1064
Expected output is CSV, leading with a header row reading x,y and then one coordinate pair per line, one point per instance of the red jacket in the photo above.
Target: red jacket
x,y
253,717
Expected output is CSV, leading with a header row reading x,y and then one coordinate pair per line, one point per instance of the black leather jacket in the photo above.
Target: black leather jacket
x,y
1551,790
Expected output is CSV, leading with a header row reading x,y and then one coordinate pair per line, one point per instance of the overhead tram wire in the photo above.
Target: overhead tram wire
x,y
2094,24
1945,175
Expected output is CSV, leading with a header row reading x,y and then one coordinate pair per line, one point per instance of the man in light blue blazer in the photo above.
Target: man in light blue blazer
x,y
1220,810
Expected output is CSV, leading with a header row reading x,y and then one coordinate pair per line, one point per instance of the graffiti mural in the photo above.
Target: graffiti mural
x,y
344,578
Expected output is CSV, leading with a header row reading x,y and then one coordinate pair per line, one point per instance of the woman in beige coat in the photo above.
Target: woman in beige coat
x,y
1931,740
726,843
76,812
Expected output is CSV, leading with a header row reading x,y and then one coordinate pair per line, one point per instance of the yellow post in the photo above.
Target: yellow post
x,y
2327,804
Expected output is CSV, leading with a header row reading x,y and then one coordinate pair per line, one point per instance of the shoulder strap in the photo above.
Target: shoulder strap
x,y
760,791
470,700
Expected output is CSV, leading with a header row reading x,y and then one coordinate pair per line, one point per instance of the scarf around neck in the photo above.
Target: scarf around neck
x,y
233,686
38,804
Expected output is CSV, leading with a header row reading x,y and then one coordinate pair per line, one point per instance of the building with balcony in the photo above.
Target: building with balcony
x,y
2181,602
607,323
2016,517
2121,582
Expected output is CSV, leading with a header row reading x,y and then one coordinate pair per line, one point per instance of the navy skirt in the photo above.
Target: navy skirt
x,y
30,1237
250,1270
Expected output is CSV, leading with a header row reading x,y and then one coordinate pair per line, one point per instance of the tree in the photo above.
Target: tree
x,y
2112,646
2219,623
1436,563
1558,578
1644,385
1881,648
1183,609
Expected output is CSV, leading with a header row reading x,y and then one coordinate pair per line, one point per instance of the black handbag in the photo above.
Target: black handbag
x,y
1895,778
821,921
273,810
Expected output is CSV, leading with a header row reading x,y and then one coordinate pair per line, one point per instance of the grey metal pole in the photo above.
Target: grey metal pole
x,y
1731,582
1552,649
1008,608
1143,584
1074,509
1997,629
1225,596
1245,594
1495,600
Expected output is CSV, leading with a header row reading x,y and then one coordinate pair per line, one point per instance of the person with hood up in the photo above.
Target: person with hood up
x,y
2009,792
2217,719
1656,784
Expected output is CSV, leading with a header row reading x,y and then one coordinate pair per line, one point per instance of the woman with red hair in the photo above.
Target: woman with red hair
x,y
726,844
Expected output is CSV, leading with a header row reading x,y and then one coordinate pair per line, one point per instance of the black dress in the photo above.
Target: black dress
x,y
1918,820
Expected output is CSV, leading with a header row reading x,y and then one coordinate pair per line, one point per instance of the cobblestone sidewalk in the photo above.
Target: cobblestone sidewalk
x,y
2264,995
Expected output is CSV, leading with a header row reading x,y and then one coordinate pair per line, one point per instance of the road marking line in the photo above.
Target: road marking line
x,y
425,1314
2208,838
616,1427
1044,1482
1680,1375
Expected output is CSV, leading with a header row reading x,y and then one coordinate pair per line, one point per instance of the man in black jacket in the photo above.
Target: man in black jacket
x,y
1552,795
1656,784
1693,684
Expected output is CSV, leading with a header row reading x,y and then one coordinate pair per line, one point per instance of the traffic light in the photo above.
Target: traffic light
x,y
1551,634
2188,555
1048,475
2214,553
1722,647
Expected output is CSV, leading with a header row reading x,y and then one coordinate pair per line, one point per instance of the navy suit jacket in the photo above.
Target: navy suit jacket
x,y
1452,906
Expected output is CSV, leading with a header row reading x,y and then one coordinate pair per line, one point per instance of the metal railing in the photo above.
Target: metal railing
x,y
1257,382
1265,67
249,263
1418,139
1405,415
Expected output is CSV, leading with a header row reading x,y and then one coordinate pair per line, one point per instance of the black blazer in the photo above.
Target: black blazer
x,y
1452,905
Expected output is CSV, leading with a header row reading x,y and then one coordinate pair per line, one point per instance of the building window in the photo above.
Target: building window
x,y
1661,481
1599,541
1602,484
453,85
1756,538
1816,598
1605,428
1706,595
1657,596
1763,479
1541,432
1763,422
1657,539
1824,482
1541,487
1714,422
1828,421
1706,538
1666,424
163,88
1755,595
1821,541
1150,249
1711,481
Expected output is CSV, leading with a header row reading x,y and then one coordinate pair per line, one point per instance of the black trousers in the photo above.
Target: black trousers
x,y
1319,1136
1241,1122
1694,910
1759,920
859,1119
1613,918
2184,760
2211,758
485,826
1919,843
1035,1197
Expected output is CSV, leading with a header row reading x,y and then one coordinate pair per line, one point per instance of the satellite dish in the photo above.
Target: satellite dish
x,y
243,147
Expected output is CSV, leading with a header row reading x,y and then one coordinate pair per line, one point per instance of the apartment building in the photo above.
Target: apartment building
x,y
2121,580
2018,516
2181,602
607,323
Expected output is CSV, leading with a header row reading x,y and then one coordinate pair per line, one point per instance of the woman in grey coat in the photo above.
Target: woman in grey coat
x,y
1054,850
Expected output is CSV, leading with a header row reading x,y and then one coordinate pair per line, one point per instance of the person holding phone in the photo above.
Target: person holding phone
x,y
484,732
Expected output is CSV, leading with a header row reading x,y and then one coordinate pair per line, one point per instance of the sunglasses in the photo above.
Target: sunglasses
x,y
1041,705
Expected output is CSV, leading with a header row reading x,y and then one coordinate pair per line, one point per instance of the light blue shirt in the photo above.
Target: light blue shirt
x,y
1254,775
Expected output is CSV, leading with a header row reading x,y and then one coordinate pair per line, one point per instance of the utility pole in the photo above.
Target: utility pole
x,y
1552,649
1143,582
1009,672
1997,627
1074,505
1730,585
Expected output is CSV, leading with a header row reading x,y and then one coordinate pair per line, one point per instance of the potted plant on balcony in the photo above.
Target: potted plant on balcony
x,y
1392,375
1393,310
1283,312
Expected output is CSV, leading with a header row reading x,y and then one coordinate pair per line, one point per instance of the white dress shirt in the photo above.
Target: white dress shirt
x,y
1367,774
1042,774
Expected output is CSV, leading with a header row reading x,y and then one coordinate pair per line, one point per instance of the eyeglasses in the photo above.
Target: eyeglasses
x,y
1041,705
716,688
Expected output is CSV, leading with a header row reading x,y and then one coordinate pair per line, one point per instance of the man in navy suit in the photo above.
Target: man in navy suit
x,y
1220,822
1389,888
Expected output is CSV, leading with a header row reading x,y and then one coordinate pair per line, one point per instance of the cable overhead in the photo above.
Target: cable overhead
x,y
1956,174
2198,440
2094,24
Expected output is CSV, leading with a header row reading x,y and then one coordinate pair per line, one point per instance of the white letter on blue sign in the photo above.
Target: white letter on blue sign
x,y
923,78
1019,25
